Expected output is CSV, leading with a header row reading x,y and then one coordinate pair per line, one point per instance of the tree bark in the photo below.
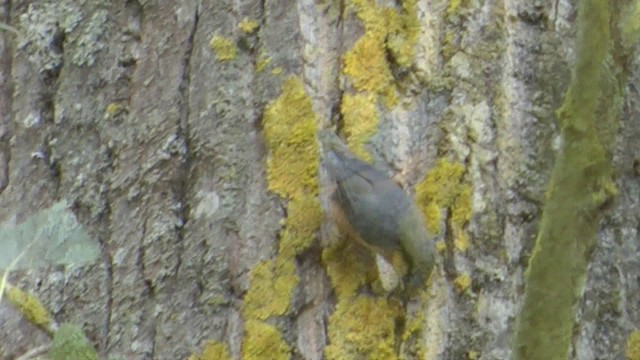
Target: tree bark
x,y
177,139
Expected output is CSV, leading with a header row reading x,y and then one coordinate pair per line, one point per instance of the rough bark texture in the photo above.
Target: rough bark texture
x,y
156,123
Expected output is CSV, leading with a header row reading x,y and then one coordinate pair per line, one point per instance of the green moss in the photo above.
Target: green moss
x,y
70,343
444,188
224,48
29,306
630,24
632,351
248,26
362,328
263,341
581,181
360,116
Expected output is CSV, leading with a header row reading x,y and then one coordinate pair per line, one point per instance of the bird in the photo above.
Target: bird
x,y
371,208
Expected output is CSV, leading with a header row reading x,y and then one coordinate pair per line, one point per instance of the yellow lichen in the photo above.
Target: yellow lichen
x,y
632,351
112,110
387,32
263,341
366,65
414,342
360,116
248,26
413,327
224,48
347,267
362,328
277,70
462,282
213,350
304,218
452,9
292,166
461,239
30,307
444,188
262,62
272,283
402,40
289,129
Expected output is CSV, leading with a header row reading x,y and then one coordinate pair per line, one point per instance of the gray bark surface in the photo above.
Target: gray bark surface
x,y
122,110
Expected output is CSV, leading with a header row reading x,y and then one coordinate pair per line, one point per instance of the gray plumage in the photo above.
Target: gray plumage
x,y
377,208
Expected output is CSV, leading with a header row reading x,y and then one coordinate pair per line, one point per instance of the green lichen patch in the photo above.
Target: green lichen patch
x,y
213,350
304,218
348,267
263,61
360,116
462,282
263,341
398,30
112,109
248,26
292,167
389,34
632,351
30,307
444,188
271,285
454,7
366,65
403,38
70,342
362,328
414,345
224,48
289,129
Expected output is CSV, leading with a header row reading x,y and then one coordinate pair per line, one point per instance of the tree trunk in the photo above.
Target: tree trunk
x,y
161,188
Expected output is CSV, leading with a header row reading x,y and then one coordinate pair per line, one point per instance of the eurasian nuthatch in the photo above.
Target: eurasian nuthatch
x,y
371,208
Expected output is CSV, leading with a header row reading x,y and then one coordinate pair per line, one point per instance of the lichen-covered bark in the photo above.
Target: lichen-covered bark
x,y
580,185
154,122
